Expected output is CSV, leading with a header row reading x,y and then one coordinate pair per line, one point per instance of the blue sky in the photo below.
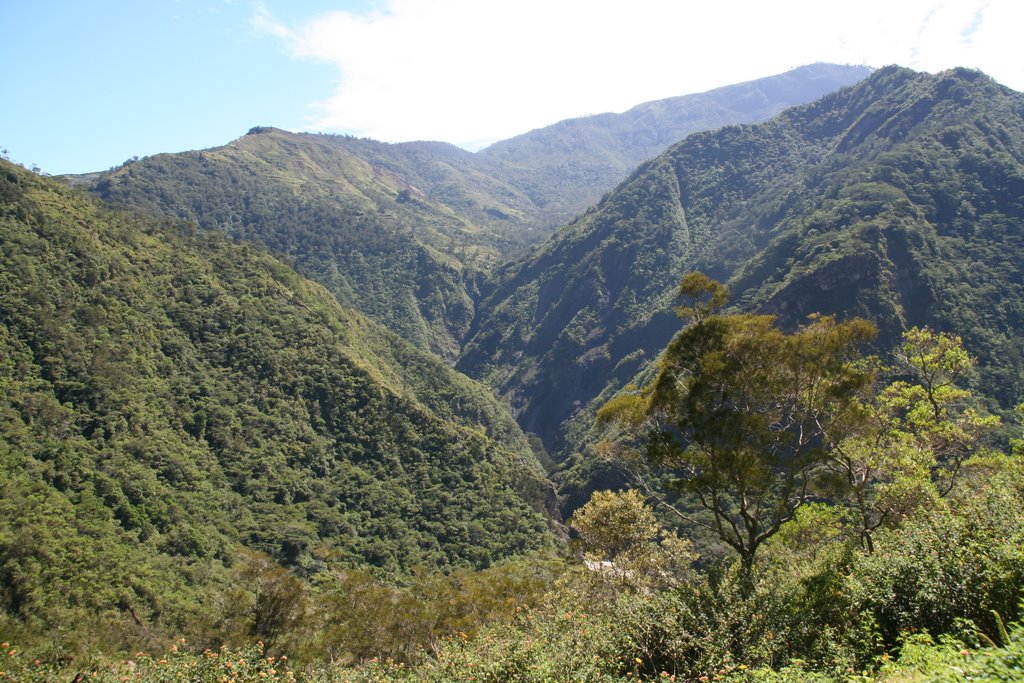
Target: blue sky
x,y
88,84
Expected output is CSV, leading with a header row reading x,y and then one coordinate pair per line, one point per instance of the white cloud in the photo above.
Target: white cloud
x,y
473,71
265,23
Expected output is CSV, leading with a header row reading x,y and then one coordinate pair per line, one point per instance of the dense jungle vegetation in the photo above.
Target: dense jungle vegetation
x,y
185,419
898,199
212,470
889,542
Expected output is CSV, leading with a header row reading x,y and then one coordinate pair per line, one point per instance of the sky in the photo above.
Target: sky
x,y
88,84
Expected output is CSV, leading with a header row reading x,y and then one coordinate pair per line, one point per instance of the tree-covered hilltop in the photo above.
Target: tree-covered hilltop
x,y
566,167
898,199
172,405
353,215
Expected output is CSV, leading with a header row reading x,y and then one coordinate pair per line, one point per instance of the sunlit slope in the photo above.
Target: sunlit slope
x,y
168,401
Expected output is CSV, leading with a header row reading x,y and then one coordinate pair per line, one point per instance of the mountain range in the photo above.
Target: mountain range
x,y
899,199
340,352
406,232
567,167
852,203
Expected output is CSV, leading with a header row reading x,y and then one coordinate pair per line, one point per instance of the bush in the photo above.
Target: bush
x,y
947,572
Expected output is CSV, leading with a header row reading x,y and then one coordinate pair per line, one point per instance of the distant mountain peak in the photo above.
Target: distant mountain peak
x,y
260,130
569,165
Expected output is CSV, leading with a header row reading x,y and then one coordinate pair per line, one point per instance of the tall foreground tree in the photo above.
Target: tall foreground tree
x,y
743,413
753,422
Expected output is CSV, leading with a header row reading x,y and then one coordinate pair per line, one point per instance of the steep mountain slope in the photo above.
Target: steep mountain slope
x,y
352,214
900,199
566,167
167,401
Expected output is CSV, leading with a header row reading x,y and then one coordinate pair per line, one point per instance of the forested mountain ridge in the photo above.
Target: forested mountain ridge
x,y
566,167
404,232
169,403
900,199
183,413
332,206
197,440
